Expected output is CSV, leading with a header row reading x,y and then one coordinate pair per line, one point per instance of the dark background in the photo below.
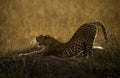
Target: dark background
x,y
22,20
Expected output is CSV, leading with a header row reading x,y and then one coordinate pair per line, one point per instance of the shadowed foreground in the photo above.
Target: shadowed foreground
x,y
100,65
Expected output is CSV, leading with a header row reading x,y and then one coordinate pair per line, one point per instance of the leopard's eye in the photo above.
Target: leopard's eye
x,y
39,44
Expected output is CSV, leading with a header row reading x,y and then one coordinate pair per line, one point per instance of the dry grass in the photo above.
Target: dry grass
x,y
22,20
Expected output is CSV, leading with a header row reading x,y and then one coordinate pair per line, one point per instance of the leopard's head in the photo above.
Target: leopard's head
x,y
46,40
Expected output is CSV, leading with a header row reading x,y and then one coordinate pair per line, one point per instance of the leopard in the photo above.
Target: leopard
x,y
80,42
49,42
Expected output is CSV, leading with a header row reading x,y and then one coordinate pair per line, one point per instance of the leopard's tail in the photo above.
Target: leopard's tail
x,y
104,32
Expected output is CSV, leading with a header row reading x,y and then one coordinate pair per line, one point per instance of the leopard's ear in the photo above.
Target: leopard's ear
x,y
43,35
39,36
46,36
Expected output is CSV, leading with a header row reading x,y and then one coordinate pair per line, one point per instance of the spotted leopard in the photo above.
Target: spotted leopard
x,y
82,41
49,42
